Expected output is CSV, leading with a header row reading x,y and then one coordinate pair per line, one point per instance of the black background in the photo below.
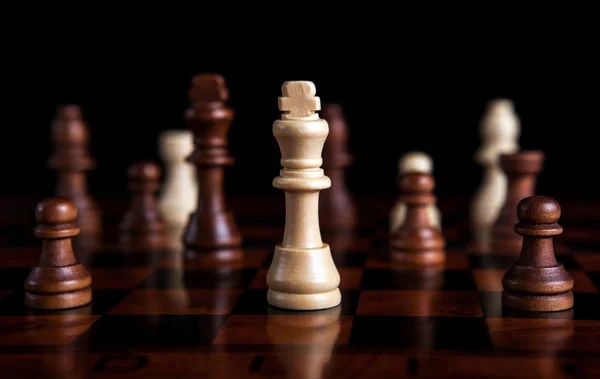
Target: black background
x,y
412,78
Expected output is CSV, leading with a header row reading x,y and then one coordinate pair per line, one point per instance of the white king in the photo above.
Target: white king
x,y
302,275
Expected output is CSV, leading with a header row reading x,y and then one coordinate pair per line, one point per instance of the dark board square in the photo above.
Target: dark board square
x,y
450,280
454,333
102,302
108,259
585,308
595,278
254,302
210,279
130,331
13,278
491,261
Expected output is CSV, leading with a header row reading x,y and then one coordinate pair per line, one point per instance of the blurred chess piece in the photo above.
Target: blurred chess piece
x,y
142,227
71,160
499,130
336,206
212,232
411,162
417,242
304,341
179,195
521,169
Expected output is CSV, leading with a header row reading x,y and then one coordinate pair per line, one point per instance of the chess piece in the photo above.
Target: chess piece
x,y
536,281
414,161
71,159
142,227
302,275
417,242
58,281
180,189
521,170
211,227
500,130
336,206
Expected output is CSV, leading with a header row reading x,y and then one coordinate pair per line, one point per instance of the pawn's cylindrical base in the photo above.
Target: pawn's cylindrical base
x,y
537,289
303,279
56,301
534,303
304,301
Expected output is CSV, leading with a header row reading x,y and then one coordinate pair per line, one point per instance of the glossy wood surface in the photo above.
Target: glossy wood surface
x,y
158,314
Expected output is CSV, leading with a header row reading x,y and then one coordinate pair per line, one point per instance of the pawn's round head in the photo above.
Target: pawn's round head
x,y
55,211
538,210
417,183
144,171
415,161
176,145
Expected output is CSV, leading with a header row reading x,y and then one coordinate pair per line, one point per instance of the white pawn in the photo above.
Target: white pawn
x,y
413,161
179,194
500,131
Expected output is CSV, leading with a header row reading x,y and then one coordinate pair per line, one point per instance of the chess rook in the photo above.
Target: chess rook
x,y
58,281
521,170
413,162
499,130
417,241
336,206
71,160
180,190
302,275
211,227
536,281
142,227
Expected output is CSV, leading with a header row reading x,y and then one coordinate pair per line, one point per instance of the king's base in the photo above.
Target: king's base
x,y
304,301
534,303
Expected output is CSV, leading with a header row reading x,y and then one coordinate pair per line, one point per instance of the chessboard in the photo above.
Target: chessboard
x,y
161,314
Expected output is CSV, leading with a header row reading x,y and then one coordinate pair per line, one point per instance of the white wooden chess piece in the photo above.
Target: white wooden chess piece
x,y
302,275
179,193
413,161
500,131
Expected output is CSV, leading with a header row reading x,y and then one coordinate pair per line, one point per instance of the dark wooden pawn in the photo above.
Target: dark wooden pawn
x,y
58,281
536,281
71,160
521,169
417,241
336,206
211,228
142,227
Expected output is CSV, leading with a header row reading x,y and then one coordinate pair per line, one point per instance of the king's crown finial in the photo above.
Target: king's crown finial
x,y
299,99
208,88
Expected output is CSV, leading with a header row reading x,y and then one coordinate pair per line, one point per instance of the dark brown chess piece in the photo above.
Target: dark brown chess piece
x,y
417,241
58,281
521,171
142,227
536,281
336,206
71,159
211,228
